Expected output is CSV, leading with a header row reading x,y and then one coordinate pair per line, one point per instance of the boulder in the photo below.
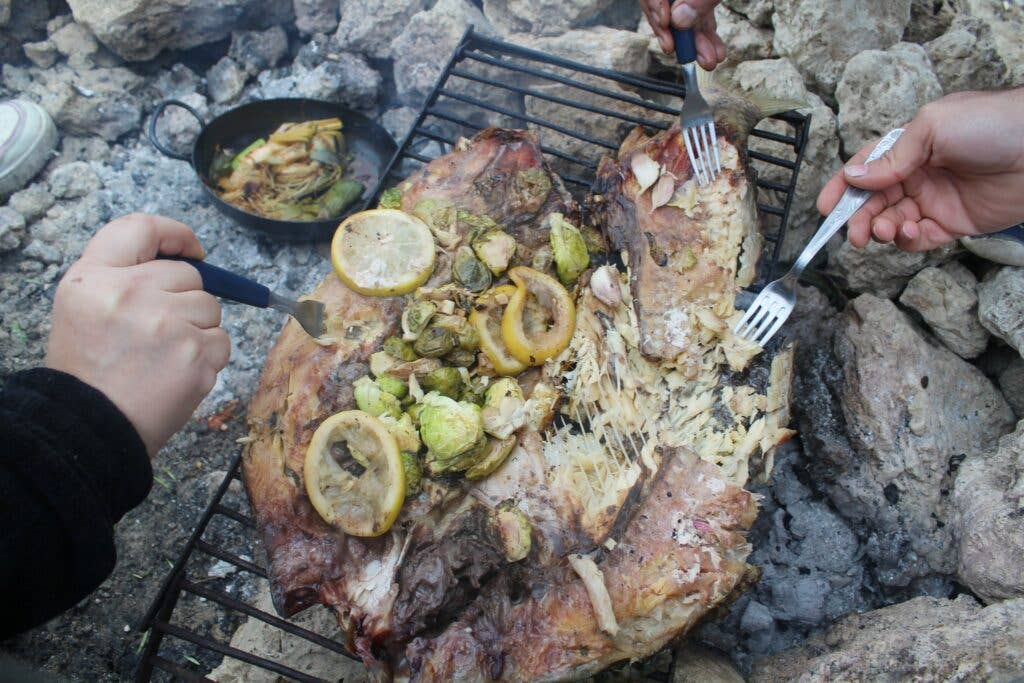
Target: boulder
x,y
316,16
139,29
1006,19
744,40
1011,381
758,12
879,268
881,90
929,19
423,47
821,37
347,78
26,23
374,33
600,47
43,53
32,202
946,298
257,51
931,639
988,520
12,229
77,43
73,180
87,148
965,57
542,17
887,415
1001,306
225,80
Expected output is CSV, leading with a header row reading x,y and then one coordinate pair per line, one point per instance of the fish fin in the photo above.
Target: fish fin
x,y
738,111
765,105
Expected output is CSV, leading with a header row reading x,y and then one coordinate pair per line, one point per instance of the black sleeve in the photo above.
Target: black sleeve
x,y
71,465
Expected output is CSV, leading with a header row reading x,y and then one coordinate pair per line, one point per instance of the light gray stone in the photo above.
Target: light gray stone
x,y
947,299
756,618
398,121
1011,382
88,148
882,269
76,179
225,80
140,29
257,51
177,82
758,12
316,16
75,42
12,229
820,37
881,90
26,24
600,46
5,12
32,202
988,520
887,415
929,19
1001,306
744,40
542,17
965,57
1006,19
178,127
44,253
43,53
924,639
374,33
348,78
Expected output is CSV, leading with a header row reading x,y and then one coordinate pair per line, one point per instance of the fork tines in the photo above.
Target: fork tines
x,y
702,148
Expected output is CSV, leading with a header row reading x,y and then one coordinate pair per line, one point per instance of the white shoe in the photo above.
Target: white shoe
x,y
1005,246
27,137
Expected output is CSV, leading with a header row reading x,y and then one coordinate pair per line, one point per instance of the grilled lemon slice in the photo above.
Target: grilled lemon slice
x,y
354,475
383,252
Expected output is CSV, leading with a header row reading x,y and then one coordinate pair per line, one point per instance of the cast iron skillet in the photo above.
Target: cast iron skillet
x,y
370,146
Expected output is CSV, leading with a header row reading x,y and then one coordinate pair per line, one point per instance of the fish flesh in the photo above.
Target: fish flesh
x,y
631,462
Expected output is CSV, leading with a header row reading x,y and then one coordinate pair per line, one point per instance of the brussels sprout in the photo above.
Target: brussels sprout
x,y
390,199
370,398
495,249
460,358
393,386
465,334
413,412
568,248
473,392
469,271
497,451
592,237
476,224
399,348
434,342
445,381
514,529
413,473
404,431
381,362
449,428
542,259
442,218
503,408
531,187
415,318
506,387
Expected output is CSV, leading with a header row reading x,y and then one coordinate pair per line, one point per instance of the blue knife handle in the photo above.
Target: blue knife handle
x,y
686,45
227,285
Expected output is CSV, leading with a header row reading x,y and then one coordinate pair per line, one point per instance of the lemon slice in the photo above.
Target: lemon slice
x,y
354,475
383,252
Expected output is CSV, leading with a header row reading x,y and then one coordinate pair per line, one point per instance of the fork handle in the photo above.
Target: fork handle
x,y
227,285
686,45
851,202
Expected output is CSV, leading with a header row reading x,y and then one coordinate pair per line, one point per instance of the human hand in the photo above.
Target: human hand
x,y
696,14
957,170
140,330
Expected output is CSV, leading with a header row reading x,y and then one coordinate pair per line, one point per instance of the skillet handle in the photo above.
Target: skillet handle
x,y
151,132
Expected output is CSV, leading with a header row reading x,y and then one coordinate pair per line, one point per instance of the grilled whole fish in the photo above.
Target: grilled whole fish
x,y
635,492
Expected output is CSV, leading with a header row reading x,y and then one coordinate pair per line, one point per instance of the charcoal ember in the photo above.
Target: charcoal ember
x,y
374,33
1001,306
947,300
257,51
966,58
176,82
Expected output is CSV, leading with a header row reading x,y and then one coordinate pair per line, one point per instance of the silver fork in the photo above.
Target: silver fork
x,y
695,121
775,303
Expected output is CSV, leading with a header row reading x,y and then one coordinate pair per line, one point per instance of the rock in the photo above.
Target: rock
x,y
698,664
76,179
1001,306
319,48
139,29
988,520
89,148
779,79
883,89
758,12
348,78
947,299
317,16
1007,23
5,12
26,23
398,121
756,618
58,22
965,57
821,37
923,639
744,39
257,51
12,229
178,127
1011,382
426,41
225,80
542,17
32,202
43,54
929,19
374,33
887,414
177,82
43,253
881,268
600,46
77,43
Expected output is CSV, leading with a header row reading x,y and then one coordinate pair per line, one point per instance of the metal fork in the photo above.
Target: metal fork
x,y
775,303
695,121
227,285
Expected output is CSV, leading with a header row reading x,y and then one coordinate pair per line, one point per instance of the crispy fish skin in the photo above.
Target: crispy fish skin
x,y
683,551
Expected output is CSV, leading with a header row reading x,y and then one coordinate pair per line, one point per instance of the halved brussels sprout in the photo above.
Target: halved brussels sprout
x,y
497,451
415,318
413,473
449,428
514,530
543,259
390,198
460,358
370,398
434,342
473,391
495,248
465,334
470,271
393,386
447,381
568,248
404,431
413,412
441,217
399,348
503,411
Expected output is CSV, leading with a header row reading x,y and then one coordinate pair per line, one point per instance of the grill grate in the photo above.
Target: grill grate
x,y
580,112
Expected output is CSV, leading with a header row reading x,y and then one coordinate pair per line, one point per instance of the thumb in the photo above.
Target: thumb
x,y
909,153
686,13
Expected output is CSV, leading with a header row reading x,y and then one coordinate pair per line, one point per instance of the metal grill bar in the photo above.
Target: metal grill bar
x,y
526,69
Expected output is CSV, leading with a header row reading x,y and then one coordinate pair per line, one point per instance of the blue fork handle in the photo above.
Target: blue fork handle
x,y
686,44
227,285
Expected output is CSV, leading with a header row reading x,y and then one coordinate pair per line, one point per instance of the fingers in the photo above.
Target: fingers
x,y
168,276
137,238
686,13
920,235
710,48
216,347
657,13
909,153
199,308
